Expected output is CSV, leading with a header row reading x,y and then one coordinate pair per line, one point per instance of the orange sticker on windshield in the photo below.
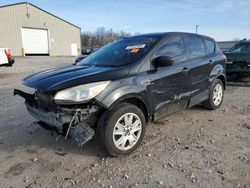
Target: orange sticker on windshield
x,y
134,50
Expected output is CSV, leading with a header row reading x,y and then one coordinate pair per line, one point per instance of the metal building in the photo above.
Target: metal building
x,y
226,45
29,30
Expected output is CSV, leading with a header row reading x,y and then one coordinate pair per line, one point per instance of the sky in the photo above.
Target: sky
x,y
220,19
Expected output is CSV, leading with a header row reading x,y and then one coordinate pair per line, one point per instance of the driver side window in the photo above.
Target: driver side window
x,y
174,48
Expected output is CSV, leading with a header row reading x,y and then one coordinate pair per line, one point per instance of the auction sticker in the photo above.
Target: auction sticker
x,y
135,46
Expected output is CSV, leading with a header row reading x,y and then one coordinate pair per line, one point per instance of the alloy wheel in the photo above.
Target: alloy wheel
x,y
127,131
217,94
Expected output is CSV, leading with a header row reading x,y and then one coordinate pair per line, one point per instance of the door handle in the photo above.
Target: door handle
x,y
185,70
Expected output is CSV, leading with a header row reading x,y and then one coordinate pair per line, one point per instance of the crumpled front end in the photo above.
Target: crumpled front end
x,y
74,121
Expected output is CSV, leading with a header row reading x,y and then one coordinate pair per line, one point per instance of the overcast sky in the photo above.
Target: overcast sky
x,y
221,19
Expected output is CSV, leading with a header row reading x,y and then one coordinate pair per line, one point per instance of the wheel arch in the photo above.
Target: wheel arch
x,y
136,100
218,72
223,79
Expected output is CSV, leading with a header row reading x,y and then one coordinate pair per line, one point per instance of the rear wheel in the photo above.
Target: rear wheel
x,y
216,95
121,130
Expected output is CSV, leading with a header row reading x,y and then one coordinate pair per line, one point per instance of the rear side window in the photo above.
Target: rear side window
x,y
210,46
196,47
173,47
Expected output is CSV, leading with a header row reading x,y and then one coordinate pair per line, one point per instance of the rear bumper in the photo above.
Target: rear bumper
x,y
9,64
234,68
11,61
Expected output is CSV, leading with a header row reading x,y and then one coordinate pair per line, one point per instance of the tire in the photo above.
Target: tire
x,y
214,102
124,122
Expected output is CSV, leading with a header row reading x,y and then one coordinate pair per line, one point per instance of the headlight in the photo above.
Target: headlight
x,y
82,92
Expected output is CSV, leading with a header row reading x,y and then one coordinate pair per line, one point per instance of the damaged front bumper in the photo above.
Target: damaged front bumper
x,y
50,118
76,123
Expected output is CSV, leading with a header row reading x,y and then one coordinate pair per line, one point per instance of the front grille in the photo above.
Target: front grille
x,y
49,117
44,100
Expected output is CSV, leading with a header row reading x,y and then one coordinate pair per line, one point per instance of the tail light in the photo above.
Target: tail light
x,y
223,58
8,53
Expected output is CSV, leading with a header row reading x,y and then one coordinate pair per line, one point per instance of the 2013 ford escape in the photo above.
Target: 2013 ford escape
x,y
117,90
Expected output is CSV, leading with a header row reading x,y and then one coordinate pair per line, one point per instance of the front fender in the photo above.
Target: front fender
x,y
123,89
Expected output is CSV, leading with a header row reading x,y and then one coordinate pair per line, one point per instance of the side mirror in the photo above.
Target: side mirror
x,y
162,61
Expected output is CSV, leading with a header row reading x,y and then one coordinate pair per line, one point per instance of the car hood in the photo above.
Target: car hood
x,y
61,78
237,56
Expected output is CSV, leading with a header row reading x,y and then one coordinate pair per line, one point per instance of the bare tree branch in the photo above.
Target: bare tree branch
x,y
100,37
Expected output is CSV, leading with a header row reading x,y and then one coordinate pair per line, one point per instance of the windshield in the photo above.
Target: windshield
x,y
122,52
241,48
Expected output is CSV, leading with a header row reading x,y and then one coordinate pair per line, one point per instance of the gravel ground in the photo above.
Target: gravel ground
x,y
192,148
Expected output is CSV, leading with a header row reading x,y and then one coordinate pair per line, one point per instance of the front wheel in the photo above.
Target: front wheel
x,y
121,130
216,95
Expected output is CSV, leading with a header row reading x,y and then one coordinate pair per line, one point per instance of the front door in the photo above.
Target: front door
x,y
171,85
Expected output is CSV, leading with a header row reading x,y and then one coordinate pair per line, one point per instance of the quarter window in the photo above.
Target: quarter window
x,y
174,48
196,47
210,46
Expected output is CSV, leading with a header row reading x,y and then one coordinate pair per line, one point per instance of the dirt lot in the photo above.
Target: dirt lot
x,y
193,148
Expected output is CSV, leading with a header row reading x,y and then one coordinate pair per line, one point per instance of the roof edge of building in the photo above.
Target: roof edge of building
x,y
25,2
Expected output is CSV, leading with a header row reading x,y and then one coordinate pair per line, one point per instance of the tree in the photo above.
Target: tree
x,y
100,37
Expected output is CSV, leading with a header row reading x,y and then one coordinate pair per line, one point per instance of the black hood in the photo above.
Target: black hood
x,y
61,78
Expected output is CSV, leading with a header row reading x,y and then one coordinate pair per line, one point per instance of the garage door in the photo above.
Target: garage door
x,y
35,41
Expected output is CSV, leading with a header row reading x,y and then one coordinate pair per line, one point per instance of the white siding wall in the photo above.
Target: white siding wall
x,y
13,18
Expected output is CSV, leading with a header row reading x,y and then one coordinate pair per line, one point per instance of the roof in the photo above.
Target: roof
x,y
39,9
163,34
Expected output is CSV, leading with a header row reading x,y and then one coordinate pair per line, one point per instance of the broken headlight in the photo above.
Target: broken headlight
x,y
82,92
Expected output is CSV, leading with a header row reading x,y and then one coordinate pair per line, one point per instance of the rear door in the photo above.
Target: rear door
x,y
200,68
171,85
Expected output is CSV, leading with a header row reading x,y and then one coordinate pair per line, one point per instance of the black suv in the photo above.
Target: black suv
x,y
126,84
238,59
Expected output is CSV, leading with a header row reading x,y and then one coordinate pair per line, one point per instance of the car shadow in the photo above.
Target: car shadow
x,y
198,108
33,138
239,81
